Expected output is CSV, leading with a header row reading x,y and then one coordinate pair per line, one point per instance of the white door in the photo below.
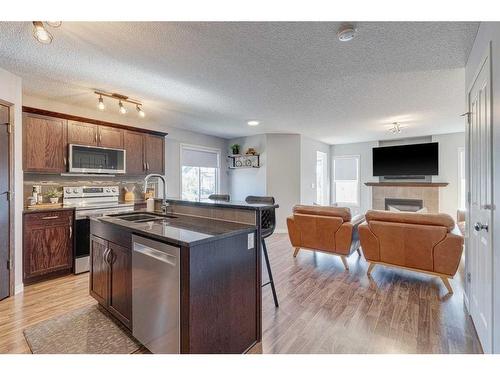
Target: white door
x,y
480,259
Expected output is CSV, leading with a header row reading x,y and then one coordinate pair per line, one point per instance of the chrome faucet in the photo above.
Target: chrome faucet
x,y
164,203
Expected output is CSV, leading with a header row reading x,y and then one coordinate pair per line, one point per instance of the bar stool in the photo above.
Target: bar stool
x,y
219,197
268,224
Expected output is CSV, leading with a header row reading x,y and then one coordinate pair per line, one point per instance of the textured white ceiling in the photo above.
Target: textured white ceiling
x,y
295,77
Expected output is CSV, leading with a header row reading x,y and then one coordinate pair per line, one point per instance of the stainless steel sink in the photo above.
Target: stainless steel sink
x,y
142,217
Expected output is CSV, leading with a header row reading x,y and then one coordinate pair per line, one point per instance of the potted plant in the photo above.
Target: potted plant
x,y
235,148
53,195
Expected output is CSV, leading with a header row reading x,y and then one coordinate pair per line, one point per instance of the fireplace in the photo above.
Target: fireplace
x,y
411,205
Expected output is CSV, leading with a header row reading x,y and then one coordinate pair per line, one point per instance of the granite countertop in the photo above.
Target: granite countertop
x,y
182,230
230,204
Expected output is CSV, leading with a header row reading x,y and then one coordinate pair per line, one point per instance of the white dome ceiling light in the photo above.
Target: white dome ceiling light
x,y
346,33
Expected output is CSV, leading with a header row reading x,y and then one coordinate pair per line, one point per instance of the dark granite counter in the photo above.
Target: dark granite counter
x,y
47,209
182,230
223,204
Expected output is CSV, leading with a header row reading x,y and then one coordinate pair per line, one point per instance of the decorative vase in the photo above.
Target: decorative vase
x,y
54,200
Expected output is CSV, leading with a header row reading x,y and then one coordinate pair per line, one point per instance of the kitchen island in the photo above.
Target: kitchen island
x,y
216,250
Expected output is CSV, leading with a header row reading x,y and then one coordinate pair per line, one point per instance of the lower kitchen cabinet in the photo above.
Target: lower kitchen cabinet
x,y
48,244
111,278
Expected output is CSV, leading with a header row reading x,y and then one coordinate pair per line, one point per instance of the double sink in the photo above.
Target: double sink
x,y
143,217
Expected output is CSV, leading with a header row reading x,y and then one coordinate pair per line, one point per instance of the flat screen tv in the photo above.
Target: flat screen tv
x,y
408,160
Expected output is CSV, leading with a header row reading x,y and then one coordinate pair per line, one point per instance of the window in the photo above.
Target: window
x,y
462,189
321,178
199,172
346,180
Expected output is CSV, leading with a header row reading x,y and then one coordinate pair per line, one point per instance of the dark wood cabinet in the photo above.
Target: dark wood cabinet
x,y
111,277
48,244
134,146
44,144
154,151
110,137
81,133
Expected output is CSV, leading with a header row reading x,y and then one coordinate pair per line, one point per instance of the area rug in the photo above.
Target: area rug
x,y
88,330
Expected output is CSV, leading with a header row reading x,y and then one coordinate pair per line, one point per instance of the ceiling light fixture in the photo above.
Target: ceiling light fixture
x,y
100,104
40,33
121,100
54,24
140,111
253,123
396,128
346,33
122,109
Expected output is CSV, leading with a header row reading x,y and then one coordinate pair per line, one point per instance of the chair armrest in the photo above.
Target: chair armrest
x,y
369,243
293,232
448,252
358,219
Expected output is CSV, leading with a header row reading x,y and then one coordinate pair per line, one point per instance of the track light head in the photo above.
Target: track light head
x,y
140,111
40,33
100,104
122,109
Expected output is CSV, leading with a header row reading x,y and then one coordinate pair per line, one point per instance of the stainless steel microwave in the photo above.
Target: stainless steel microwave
x,y
91,159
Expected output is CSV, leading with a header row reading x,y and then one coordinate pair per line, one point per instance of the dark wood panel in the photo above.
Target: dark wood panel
x,y
134,146
99,270
4,203
222,294
120,298
408,184
155,154
48,245
44,144
81,133
88,120
110,137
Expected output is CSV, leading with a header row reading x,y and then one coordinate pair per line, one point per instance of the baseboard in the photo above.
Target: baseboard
x,y
18,288
280,231
466,302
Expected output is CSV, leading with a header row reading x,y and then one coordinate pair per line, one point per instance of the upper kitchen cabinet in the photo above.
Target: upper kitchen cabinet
x,y
110,137
44,144
133,143
154,151
81,133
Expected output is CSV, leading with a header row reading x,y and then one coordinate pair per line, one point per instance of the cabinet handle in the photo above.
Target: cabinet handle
x,y
109,257
144,166
95,137
100,137
65,161
50,217
105,255
147,163
70,232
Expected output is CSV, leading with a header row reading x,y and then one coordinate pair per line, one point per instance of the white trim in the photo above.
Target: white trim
x,y
18,288
187,146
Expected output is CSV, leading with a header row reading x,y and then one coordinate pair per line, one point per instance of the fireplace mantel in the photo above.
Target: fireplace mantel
x,y
408,184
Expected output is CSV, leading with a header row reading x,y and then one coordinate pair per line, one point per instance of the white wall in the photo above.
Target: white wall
x,y
490,32
249,181
172,142
11,94
449,144
364,151
283,174
308,149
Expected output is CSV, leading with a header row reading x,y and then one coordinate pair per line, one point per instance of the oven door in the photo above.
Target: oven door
x,y
90,159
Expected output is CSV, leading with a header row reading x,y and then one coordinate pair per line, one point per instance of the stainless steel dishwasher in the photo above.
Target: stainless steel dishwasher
x,y
156,295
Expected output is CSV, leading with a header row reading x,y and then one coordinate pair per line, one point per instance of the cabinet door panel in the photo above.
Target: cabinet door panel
x,y
134,146
81,133
110,137
99,270
44,144
120,299
155,153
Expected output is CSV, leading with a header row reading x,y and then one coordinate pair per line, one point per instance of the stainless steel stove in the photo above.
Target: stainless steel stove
x,y
90,201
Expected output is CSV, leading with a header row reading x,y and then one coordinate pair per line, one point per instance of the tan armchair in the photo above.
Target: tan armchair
x,y
428,243
326,229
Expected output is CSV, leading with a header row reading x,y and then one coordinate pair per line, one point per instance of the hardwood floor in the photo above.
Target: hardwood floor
x,y
323,308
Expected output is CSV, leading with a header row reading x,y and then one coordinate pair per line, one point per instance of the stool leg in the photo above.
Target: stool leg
x,y
268,265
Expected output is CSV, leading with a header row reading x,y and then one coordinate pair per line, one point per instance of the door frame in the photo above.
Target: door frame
x,y
12,255
487,55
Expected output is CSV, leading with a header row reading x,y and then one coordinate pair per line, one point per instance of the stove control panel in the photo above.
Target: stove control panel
x,y
90,191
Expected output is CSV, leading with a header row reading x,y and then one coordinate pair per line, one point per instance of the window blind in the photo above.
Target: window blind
x,y
192,157
346,168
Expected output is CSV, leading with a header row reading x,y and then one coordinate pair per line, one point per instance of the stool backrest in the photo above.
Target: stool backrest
x,y
268,216
219,197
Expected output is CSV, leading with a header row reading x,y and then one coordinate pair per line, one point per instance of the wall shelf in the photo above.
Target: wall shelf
x,y
243,161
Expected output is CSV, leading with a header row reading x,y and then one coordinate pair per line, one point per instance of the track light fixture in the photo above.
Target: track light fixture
x,y
41,34
121,100
396,128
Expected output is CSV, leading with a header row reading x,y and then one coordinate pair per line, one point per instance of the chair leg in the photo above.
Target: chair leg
x,y
447,284
296,251
370,268
268,265
358,251
344,260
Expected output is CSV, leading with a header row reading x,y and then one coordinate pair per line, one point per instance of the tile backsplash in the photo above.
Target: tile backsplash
x,y
49,182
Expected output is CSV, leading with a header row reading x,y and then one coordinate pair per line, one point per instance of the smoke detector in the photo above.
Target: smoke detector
x,y
346,33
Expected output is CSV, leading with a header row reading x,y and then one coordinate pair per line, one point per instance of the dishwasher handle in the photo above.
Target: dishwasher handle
x,y
156,254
